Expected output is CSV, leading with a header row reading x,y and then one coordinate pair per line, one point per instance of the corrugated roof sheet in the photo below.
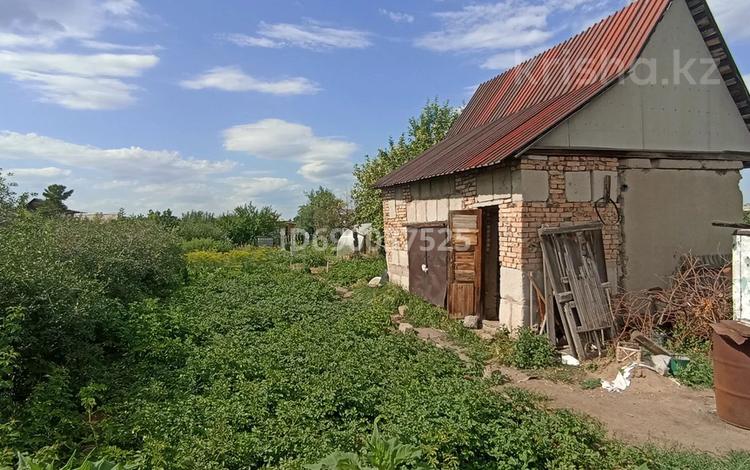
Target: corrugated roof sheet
x,y
510,112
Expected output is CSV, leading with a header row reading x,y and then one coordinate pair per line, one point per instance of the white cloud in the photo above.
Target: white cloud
x,y
110,46
47,172
397,17
732,17
307,36
510,31
49,22
105,179
234,79
125,163
78,81
499,26
321,158
32,32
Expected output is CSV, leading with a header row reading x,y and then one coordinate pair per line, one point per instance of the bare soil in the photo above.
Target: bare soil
x,y
653,410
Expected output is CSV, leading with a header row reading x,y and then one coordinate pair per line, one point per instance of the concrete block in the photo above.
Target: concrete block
x,y
411,212
597,183
502,186
414,190
669,164
391,207
443,207
431,210
636,163
578,186
516,186
722,165
535,185
441,188
402,258
421,212
543,158
484,185
456,204
512,314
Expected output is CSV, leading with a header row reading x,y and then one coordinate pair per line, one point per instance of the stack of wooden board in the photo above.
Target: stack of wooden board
x,y
576,281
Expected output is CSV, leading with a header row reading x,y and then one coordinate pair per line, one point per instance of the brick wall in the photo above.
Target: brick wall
x,y
564,173
533,192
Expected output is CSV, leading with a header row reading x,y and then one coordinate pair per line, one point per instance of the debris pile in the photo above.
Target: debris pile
x,y
699,295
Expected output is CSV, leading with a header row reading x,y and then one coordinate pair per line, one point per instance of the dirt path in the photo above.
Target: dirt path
x,y
654,410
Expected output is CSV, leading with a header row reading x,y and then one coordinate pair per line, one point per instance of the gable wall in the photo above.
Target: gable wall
x,y
664,114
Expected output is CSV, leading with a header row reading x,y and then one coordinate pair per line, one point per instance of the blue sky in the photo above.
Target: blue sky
x,y
207,105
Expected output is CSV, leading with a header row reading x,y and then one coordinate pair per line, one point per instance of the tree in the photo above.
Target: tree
x,y
323,210
54,199
246,223
8,199
166,219
426,130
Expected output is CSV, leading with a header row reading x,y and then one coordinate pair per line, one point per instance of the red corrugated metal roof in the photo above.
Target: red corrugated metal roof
x,y
511,111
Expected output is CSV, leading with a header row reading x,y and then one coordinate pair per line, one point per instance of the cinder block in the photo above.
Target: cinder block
x,y
431,210
636,163
669,164
421,212
484,185
578,186
501,183
535,185
443,206
456,204
411,212
721,165
391,205
597,182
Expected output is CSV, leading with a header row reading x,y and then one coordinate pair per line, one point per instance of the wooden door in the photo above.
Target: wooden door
x,y
428,263
465,270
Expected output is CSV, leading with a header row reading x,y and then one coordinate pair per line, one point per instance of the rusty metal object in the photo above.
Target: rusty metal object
x,y
731,354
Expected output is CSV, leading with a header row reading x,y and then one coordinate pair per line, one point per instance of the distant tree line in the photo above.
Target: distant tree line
x,y
322,209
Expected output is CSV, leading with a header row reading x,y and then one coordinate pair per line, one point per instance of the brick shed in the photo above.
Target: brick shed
x,y
649,99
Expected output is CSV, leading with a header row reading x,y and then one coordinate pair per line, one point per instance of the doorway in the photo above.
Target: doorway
x,y
490,293
428,262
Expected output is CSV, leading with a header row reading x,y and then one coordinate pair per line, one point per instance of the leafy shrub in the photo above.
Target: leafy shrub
x,y
313,256
30,463
348,272
206,244
698,373
132,259
532,351
379,454
64,286
200,225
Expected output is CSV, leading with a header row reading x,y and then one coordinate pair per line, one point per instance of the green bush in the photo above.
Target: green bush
x,y
200,225
698,373
207,244
379,453
349,272
532,351
313,256
64,289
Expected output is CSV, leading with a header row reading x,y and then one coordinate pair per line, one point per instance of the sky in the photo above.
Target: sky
x,y
206,105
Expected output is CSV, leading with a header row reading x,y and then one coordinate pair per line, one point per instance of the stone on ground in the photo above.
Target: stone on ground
x,y
472,322
374,282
